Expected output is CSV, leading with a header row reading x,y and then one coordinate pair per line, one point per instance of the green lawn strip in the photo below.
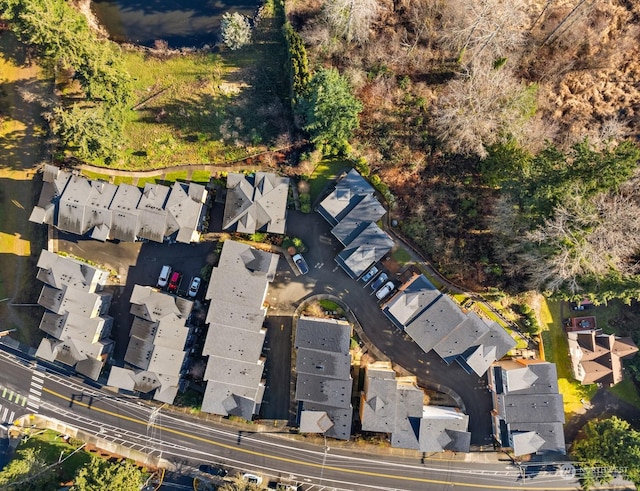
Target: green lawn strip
x,y
329,305
95,175
325,171
201,176
122,180
401,256
627,391
605,315
51,445
172,177
556,350
143,180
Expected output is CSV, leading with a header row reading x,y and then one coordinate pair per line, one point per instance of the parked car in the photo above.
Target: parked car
x,y
214,470
194,286
301,264
370,274
385,290
287,487
252,479
379,281
174,282
163,279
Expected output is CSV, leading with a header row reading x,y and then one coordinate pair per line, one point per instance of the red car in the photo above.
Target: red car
x,y
174,282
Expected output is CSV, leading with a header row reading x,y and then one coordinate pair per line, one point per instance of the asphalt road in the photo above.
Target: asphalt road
x,y
185,442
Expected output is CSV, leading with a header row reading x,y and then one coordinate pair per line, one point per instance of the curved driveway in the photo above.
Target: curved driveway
x,y
325,276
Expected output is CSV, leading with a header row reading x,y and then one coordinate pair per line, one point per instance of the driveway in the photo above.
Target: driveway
x,y
325,276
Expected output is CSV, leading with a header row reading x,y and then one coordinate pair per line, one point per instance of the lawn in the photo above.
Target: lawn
x,y
122,180
327,170
401,256
556,350
207,107
52,446
201,176
95,175
172,177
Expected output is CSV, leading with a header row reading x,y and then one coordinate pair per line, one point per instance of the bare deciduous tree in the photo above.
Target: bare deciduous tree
x,y
351,19
488,28
477,110
586,238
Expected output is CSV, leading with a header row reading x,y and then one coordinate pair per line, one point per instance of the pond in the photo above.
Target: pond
x,y
181,23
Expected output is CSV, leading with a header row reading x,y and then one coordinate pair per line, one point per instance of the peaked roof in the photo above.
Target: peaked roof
x,y
597,357
58,272
367,248
528,410
349,191
396,406
367,210
235,337
435,321
105,211
256,203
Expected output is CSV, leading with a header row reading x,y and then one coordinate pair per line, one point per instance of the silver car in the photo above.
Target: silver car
x,y
385,290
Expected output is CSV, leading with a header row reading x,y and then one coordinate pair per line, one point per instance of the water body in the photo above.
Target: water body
x,y
181,23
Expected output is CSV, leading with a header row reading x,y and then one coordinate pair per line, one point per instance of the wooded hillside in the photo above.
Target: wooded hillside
x,y
507,131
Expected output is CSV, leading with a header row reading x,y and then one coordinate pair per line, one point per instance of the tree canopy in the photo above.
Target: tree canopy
x,y
61,34
608,443
330,111
99,474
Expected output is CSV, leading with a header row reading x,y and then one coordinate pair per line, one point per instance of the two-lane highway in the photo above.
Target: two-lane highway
x,y
181,439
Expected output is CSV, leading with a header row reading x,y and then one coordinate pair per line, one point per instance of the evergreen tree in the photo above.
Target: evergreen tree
x,y
330,111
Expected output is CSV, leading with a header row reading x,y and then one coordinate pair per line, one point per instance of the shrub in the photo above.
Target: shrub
x,y
236,30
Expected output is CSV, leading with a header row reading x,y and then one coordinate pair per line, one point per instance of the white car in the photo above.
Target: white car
x,y
252,479
301,263
163,279
385,290
194,286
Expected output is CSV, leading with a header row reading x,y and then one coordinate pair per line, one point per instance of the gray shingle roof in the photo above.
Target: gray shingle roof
x,y
539,438
237,290
323,363
461,337
256,203
364,250
340,417
72,205
58,271
527,406
55,180
349,191
530,408
158,336
368,210
231,400
125,213
330,335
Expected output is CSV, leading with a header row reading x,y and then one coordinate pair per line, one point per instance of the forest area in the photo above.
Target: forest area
x,y
506,131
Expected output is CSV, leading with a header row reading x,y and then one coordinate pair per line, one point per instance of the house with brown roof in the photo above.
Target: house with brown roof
x,y
597,357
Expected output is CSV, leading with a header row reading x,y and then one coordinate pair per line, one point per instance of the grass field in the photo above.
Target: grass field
x,y
326,171
556,350
207,107
21,150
